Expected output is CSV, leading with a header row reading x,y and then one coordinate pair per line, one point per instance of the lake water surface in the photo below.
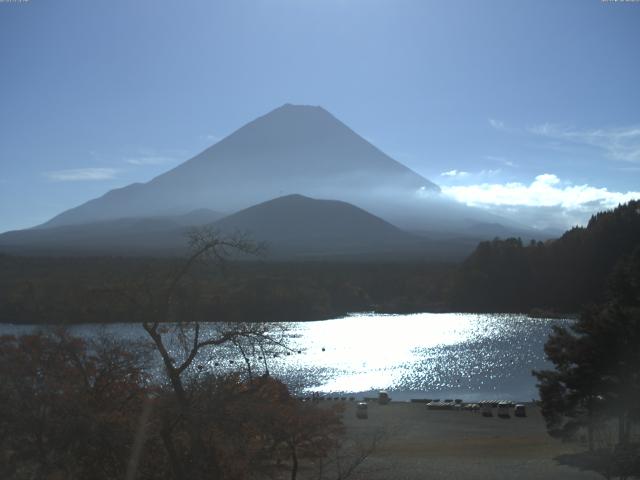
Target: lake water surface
x,y
468,356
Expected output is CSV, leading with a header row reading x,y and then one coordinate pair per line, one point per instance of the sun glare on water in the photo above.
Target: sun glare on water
x,y
371,352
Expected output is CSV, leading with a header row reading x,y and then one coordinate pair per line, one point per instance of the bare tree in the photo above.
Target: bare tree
x,y
168,321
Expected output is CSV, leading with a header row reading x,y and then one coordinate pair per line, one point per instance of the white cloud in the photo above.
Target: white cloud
x,y
545,202
497,124
458,175
454,173
149,160
82,174
502,160
621,143
150,156
489,172
545,191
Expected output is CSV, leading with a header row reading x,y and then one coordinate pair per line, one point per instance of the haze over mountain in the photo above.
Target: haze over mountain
x,y
293,149
289,152
122,236
289,226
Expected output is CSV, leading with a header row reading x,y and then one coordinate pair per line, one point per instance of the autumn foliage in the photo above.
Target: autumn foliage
x,y
68,411
78,410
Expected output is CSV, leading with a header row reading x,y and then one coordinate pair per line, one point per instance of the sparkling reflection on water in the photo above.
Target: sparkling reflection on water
x,y
469,356
428,355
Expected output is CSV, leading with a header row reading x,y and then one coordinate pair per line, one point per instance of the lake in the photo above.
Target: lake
x,y
425,355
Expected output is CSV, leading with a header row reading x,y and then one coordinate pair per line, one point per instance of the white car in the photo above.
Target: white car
x,y
362,410
383,398
503,409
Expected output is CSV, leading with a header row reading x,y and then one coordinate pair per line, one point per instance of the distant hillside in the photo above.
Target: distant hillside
x,y
124,236
296,225
292,226
560,275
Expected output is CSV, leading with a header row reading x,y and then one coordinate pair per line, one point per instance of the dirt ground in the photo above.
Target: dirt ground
x,y
418,443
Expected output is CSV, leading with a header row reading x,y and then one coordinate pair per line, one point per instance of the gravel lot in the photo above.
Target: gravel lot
x,y
418,443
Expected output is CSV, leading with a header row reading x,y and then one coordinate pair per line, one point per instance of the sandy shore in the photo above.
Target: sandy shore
x,y
419,443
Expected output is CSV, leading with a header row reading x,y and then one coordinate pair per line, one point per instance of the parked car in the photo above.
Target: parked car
x,y
362,410
520,410
503,409
383,398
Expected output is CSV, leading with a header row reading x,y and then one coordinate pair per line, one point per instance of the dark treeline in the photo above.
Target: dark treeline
x,y
557,276
72,290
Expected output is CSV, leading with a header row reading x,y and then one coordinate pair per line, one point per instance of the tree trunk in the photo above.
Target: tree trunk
x,y
294,459
174,462
624,428
621,435
199,466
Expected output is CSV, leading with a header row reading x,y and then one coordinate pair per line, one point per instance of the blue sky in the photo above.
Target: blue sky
x,y
508,105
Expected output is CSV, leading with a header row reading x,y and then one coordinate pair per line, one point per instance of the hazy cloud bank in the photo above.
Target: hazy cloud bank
x,y
546,202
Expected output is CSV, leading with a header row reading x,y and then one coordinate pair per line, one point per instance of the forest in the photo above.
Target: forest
x,y
501,275
80,290
556,276
593,389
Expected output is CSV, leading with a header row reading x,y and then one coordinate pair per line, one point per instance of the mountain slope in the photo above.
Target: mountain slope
x,y
295,224
293,149
130,236
290,226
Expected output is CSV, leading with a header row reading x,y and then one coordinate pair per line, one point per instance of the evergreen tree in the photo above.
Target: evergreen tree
x,y
597,362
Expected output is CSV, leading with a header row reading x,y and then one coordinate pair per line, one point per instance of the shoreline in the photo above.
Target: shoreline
x,y
537,315
414,397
